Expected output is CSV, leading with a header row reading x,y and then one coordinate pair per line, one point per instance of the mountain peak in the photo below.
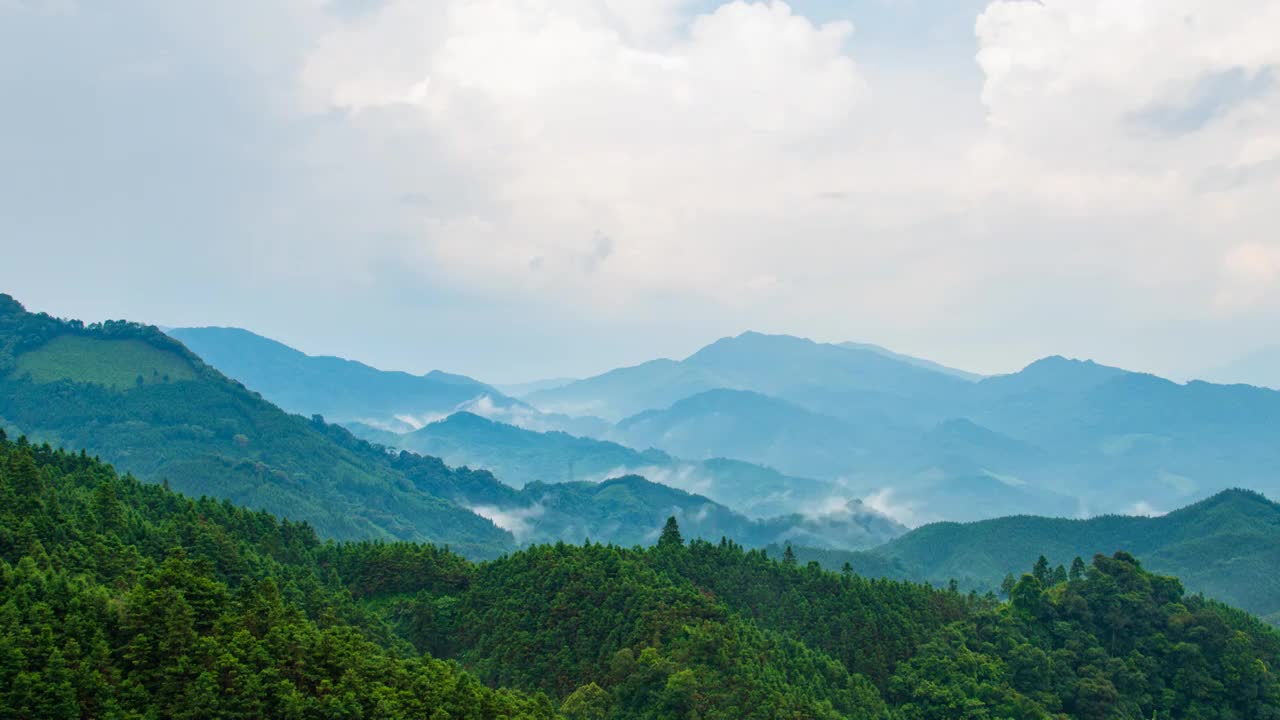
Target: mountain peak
x,y
1059,373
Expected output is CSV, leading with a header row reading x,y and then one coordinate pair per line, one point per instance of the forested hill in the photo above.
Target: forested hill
x,y
123,599
1227,546
144,402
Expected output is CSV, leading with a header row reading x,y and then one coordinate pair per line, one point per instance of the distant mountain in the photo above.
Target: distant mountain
x,y
1260,368
752,427
1226,546
340,390
144,402
778,365
1060,436
910,360
520,456
625,391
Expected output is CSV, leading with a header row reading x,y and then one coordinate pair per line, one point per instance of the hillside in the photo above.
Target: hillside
x,y
1222,546
340,390
520,456
123,599
142,401
628,510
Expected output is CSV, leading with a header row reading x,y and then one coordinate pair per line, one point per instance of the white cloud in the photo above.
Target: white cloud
x,y
520,522
1101,185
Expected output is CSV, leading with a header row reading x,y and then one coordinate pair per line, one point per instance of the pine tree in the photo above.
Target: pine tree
x,y
1077,570
671,534
1041,571
789,557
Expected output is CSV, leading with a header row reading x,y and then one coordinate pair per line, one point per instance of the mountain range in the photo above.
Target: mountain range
x,y
521,456
919,440
146,403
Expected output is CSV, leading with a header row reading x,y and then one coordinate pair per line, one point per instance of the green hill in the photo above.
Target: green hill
x,y
120,599
1226,546
145,403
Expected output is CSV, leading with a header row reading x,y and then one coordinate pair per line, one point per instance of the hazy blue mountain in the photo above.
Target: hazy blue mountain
x,y
1226,546
625,391
1260,368
782,366
520,456
1122,438
340,390
918,362
748,426
956,469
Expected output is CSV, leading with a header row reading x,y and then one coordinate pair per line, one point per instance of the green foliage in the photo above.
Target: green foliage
x,y
1226,546
207,435
1117,643
117,364
122,599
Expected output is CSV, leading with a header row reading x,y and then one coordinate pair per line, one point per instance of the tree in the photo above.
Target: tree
x,y
1041,571
846,569
671,534
789,557
1077,570
588,702
1059,575
1006,586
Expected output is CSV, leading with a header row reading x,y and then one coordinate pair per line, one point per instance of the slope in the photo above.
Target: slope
x,y
1221,546
180,421
341,390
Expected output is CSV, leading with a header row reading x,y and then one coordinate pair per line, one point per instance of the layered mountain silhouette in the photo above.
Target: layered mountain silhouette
x,y
144,402
920,440
520,457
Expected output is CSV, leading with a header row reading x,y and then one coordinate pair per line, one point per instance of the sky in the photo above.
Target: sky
x,y
516,189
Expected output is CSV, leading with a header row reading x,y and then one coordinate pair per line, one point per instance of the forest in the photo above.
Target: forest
x,y
124,599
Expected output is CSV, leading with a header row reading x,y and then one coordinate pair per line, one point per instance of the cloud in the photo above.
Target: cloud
x,y
1144,509
883,502
631,177
520,522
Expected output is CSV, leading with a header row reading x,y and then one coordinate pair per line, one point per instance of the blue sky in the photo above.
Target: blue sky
x,y
532,188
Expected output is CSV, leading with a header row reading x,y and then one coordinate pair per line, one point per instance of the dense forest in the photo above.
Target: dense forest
x,y
123,599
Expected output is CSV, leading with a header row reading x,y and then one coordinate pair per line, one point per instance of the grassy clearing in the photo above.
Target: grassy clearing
x,y
117,364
